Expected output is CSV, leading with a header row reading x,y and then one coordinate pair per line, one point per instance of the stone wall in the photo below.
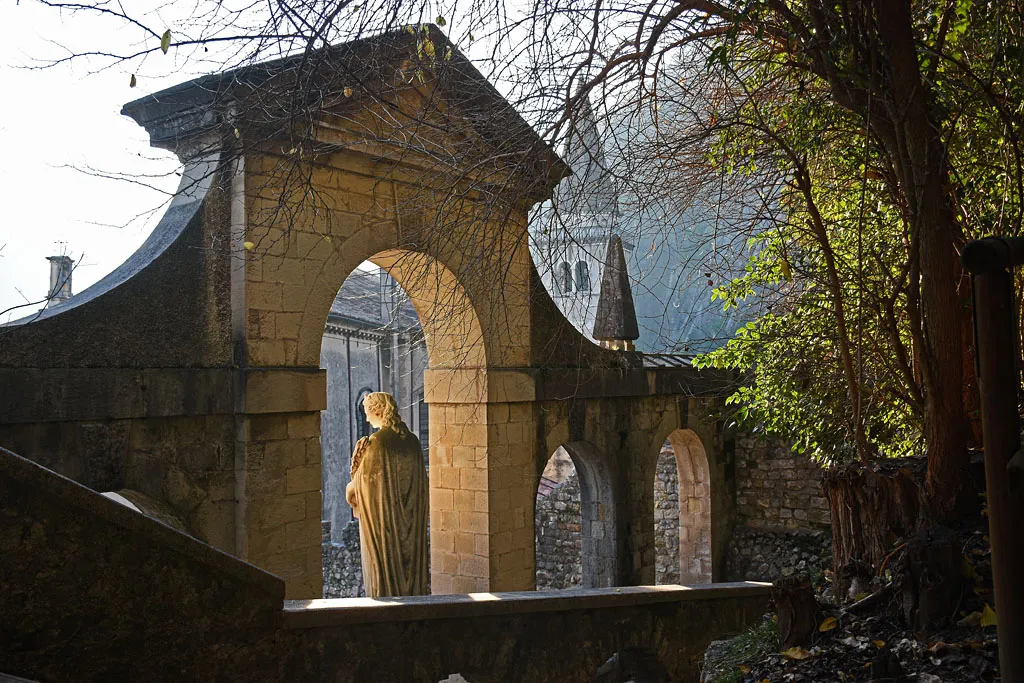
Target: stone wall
x,y
343,570
666,518
782,517
768,554
781,525
558,523
777,488
98,592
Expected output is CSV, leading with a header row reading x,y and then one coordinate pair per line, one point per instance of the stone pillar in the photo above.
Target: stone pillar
x,y
512,494
278,477
459,540
481,482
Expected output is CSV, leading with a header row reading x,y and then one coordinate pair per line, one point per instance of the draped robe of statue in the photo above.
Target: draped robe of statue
x,y
390,499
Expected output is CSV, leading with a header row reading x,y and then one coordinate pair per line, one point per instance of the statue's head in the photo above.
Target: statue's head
x,y
382,411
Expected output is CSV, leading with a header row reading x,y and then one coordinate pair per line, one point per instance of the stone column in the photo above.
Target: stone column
x,y
481,481
278,476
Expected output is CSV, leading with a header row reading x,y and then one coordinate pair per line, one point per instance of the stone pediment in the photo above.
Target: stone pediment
x,y
356,94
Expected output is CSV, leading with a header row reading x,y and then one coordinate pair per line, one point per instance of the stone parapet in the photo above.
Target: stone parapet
x,y
98,592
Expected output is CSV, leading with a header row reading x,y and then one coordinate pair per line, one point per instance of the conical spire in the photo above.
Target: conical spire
x,y
590,189
615,325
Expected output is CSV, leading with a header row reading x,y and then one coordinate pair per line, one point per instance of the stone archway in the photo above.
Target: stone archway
x,y
453,338
208,392
694,494
598,515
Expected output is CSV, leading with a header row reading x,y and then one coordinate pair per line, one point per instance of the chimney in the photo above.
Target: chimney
x,y
60,280
615,324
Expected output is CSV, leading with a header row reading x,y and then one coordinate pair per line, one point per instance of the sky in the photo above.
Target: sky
x,y
60,130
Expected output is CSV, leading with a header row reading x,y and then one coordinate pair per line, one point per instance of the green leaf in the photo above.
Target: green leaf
x,y
440,20
132,82
787,272
165,41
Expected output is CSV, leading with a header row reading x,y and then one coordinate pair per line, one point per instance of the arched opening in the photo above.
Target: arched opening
x,y
373,341
682,511
393,317
558,525
565,279
582,276
575,521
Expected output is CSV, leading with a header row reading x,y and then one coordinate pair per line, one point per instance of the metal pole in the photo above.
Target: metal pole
x,y
998,378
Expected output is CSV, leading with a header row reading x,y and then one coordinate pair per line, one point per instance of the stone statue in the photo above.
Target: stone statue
x,y
388,494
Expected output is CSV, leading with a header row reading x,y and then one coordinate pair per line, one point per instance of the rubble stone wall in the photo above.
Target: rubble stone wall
x,y
343,570
558,522
782,517
666,518
769,554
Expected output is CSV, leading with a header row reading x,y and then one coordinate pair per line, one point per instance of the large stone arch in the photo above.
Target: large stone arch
x,y
453,338
475,325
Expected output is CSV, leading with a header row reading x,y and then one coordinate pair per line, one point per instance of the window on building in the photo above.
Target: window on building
x,y
582,276
424,418
565,283
362,424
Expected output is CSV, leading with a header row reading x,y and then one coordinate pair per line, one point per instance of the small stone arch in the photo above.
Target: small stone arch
x,y
363,425
598,515
694,490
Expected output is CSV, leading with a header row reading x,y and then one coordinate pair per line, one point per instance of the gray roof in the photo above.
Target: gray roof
x,y
359,304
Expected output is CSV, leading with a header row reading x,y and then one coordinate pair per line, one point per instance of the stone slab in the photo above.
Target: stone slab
x,y
281,390
77,394
337,611
27,475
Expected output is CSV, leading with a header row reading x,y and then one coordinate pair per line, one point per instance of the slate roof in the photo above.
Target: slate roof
x,y
358,304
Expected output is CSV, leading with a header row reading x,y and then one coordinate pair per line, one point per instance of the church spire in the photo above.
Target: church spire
x,y
590,189
615,326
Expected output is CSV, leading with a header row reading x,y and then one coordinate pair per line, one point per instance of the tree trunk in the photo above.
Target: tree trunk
x,y
797,611
916,145
931,579
872,512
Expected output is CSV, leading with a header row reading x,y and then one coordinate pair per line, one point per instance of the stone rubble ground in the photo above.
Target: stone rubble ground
x,y
867,647
858,646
